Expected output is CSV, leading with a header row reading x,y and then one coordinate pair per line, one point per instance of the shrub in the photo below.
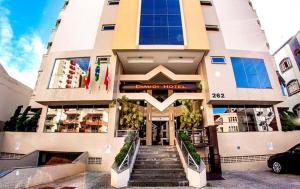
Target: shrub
x,y
190,147
124,150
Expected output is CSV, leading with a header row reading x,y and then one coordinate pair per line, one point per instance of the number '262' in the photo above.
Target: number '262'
x,y
218,95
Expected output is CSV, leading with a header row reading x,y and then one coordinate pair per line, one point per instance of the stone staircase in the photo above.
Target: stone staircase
x,y
158,166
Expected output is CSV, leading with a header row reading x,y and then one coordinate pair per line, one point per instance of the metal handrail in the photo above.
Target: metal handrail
x,y
128,158
188,157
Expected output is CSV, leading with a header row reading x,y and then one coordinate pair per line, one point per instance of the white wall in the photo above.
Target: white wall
x,y
238,22
79,26
12,94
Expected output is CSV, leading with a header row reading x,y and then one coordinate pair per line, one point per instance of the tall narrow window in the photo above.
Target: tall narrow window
x,y
161,23
250,73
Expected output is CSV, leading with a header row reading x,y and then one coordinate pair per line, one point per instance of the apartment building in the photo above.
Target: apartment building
x,y
287,59
156,52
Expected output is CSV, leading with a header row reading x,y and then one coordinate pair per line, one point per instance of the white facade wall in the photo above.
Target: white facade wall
x,y
79,26
12,94
239,26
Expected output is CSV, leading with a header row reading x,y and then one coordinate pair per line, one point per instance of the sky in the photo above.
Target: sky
x,y
25,26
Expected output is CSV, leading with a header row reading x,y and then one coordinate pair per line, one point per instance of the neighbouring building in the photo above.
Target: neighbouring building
x,y
287,59
12,94
157,52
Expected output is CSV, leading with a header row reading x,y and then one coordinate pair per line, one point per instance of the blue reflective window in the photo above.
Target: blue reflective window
x,y
218,60
160,23
250,73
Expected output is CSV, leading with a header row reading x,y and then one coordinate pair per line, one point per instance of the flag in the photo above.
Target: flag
x,y
87,79
97,70
106,78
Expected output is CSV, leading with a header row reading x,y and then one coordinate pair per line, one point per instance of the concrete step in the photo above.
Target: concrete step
x,y
157,159
158,171
161,162
159,155
138,176
158,182
157,166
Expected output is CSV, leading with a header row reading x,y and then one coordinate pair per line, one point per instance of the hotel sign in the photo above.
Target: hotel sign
x,y
160,87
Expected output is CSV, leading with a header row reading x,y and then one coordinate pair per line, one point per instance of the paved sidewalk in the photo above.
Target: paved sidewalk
x,y
233,179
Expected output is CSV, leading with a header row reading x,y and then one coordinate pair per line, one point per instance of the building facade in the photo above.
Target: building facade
x,y
288,65
155,52
13,94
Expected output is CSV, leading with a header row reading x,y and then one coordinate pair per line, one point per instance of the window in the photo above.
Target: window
x,y
77,119
161,23
293,87
244,118
69,73
58,23
206,2
113,2
108,27
212,27
250,73
103,59
285,65
218,60
66,4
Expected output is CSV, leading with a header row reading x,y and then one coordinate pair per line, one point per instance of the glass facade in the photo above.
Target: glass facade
x,y
69,73
160,23
244,118
250,73
77,119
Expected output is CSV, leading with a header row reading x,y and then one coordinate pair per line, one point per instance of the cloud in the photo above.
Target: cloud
x,y
21,56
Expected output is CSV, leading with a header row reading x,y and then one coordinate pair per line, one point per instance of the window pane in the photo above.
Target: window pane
x,y
262,73
160,7
239,72
147,20
175,35
146,35
160,20
161,35
69,73
173,6
147,7
174,20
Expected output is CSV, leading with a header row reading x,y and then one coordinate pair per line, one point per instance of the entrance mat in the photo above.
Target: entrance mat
x,y
214,176
68,187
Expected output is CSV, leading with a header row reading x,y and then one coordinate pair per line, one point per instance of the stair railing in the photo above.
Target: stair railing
x,y
188,157
126,163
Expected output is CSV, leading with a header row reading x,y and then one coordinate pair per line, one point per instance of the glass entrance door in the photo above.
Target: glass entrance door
x,y
160,133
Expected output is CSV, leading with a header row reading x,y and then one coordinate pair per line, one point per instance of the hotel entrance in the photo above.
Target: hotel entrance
x,y
160,131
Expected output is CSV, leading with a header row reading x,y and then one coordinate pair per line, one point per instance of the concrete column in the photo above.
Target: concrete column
x,y
171,126
149,122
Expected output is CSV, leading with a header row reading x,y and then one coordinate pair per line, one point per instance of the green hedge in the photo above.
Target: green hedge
x,y
124,150
190,147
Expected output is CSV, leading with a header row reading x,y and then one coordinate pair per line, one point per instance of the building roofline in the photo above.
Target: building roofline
x,y
284,44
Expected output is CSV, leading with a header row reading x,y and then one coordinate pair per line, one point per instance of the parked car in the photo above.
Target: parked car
x,y
286,161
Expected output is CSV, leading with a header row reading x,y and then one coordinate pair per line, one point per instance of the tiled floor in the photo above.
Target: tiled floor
x,y
239,180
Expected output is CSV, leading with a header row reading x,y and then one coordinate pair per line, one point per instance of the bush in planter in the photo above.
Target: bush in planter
x,y
190,147
124,150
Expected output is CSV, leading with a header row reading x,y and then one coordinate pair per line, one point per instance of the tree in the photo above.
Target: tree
x,y
20,126
192,115
31,124
130,116
11,124
289,121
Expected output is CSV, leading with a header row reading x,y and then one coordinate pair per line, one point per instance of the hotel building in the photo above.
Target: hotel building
x,y
157,52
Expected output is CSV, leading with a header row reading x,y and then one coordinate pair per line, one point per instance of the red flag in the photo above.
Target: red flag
x,y
106,79
87,79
